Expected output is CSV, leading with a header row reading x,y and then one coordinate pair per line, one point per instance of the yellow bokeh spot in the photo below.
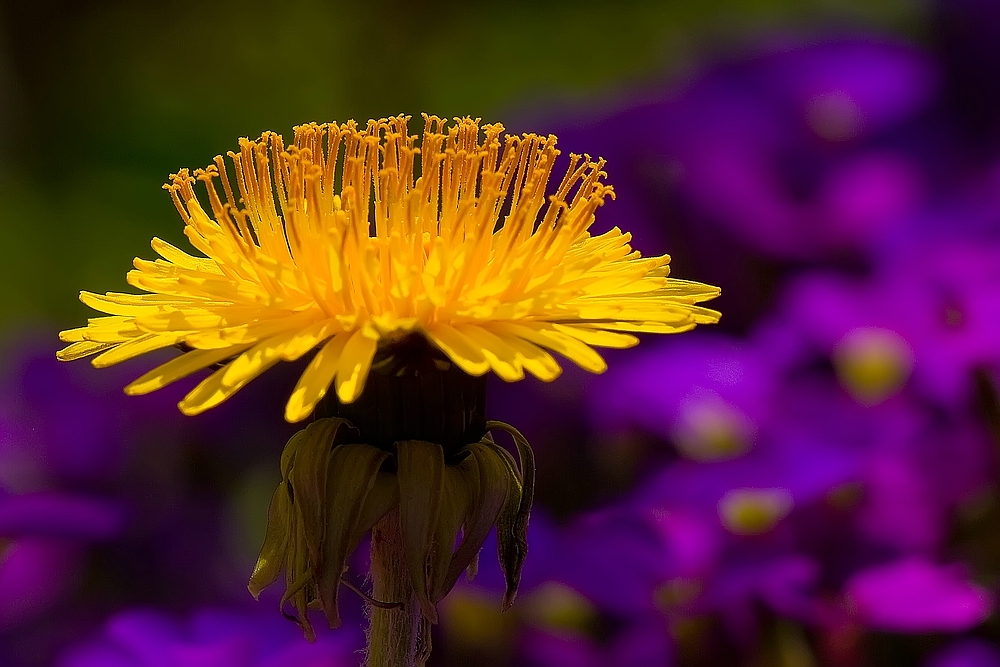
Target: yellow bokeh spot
x,y
472,617
709,429
749,511
557,607
872,363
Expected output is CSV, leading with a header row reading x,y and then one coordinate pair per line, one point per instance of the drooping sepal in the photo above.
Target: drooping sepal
x,y
316,514
420,471
353,471
334,490
272,553
489,483
512,524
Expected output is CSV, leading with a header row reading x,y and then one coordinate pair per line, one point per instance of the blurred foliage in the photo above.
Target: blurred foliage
x,y
101,99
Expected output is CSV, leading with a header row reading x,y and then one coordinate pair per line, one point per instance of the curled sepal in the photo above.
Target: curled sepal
x,y
512,524
489,482
313,517
307,476
382,498
298,579
457,499
352,474
420,474
276,537
289,453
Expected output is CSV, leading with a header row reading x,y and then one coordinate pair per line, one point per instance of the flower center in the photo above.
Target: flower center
x,y
414,392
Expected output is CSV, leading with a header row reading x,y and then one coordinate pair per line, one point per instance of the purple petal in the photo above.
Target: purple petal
x,y
59,515
967,653
915,595
211,638
34,576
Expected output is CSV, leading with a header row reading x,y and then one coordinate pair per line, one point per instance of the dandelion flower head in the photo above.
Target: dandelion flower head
x,y
353,238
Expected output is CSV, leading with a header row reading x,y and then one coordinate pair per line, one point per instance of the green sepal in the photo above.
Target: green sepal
x,y
289,452
473,568
352,474
382,498
298,520
298,579
420,473
512,524
457,499
489,483
272,553
308,477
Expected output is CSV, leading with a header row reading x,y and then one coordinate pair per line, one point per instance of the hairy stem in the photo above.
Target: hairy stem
x,y
396,637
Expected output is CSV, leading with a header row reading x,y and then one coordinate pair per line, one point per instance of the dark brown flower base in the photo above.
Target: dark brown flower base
x,y
414,392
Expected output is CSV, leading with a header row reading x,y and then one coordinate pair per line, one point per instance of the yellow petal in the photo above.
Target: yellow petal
x,y
459,349
254,361
82,349
503,359
535,360
598,337
355,362
315,380
107,303
134,348
222,384
180,367
639,327
307,339
571,348
180,258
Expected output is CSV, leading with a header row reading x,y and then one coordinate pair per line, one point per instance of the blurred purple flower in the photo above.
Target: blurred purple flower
x,y
790,151
941,298
620,557
812,442
547,649
59,515
785,584
96,486
806,455
209,638
640,642
921,473
707,394
42,541
46,529
35,574
916,595
780,150
967,653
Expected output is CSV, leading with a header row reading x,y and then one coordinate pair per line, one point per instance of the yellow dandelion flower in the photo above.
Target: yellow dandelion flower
x,y
413,265
353,238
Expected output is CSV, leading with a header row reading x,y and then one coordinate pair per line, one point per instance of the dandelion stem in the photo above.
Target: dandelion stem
x,y
396,636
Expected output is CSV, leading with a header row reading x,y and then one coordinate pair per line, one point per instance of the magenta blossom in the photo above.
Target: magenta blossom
x,y
916,595
209,638
942,299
